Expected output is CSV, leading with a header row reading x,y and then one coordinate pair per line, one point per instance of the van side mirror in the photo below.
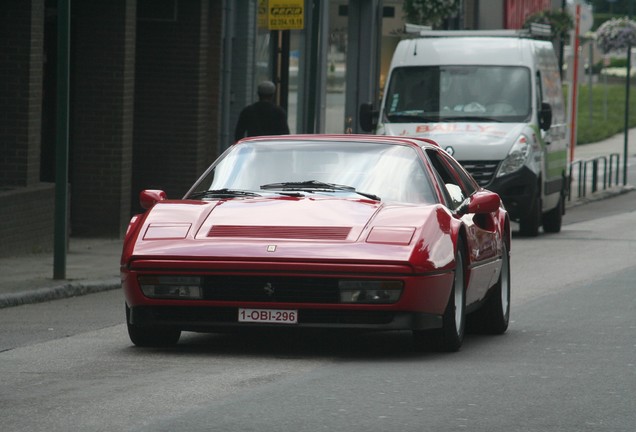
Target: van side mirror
x,y
368,117
545,116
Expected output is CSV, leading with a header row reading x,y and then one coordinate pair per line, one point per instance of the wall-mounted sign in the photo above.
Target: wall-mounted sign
x,y
286,14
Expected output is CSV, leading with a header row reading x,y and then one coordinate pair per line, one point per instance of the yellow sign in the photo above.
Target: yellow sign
x,y
286,14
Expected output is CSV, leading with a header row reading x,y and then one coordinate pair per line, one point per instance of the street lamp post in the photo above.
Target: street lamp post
x,y
61,165
627,87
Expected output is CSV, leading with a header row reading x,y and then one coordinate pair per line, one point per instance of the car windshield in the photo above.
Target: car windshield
x,y
362,169
458,93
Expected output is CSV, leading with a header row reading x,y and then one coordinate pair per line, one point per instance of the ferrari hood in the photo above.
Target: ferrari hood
x,y
313,227
467,141
287,217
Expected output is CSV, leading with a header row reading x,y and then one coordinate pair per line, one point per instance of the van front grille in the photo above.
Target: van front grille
x,y
482,171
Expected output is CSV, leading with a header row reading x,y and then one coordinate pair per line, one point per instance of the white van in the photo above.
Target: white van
x,y
496,104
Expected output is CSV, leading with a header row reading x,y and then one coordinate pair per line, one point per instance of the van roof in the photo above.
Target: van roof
x,y
517,33
457,50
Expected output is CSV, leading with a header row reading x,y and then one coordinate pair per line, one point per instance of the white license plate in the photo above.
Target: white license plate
x,y
270,316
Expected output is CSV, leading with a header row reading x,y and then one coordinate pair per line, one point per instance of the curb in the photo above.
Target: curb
x,y
600,195
58,292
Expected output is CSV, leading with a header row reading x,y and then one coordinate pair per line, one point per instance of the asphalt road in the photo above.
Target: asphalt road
x,y
567,363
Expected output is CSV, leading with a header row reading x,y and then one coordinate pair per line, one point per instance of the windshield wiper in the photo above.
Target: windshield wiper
x,y
223,193
307,185
470,118
408,118
374,197
313,185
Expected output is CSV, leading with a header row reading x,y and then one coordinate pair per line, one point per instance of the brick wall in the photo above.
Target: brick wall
x,y
21,48
27,219
173,118
154,88
102,100
26,205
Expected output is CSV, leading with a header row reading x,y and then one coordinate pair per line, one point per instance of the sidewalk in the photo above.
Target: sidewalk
x,y
612,146
92,265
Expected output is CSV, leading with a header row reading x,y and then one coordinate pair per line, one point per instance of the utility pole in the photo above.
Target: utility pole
x,y
628,80
61,152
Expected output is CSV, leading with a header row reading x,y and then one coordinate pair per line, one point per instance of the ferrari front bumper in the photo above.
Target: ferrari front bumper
x,y
206,319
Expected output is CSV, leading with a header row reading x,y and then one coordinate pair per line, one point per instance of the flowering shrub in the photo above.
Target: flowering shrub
x,y
618,72
429,12
560,22
616,35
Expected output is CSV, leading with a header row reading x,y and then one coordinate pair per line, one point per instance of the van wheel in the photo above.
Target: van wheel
x,y
529,224
552,219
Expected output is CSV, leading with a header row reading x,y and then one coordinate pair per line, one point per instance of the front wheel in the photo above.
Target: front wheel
x,y
529,223
149,336
552,219
451,336
493,317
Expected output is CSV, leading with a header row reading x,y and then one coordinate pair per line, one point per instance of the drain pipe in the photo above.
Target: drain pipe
x,y
226,137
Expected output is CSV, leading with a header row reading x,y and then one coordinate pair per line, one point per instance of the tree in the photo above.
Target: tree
x,y
429,12
621,7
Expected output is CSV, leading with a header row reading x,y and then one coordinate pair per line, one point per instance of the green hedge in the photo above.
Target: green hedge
x,y
608,111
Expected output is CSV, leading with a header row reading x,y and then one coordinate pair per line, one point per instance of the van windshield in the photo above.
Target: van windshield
x,y
458,93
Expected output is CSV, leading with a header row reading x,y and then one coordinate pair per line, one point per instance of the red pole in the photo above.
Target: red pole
x,y
575,78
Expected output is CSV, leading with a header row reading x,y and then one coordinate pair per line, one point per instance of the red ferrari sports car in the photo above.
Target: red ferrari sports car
x,y
324,231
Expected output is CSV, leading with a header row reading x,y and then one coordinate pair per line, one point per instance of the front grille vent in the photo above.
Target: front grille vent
x,y
271,289
280,232
482,171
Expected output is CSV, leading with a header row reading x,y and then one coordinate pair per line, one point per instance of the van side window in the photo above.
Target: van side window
x,y
539,92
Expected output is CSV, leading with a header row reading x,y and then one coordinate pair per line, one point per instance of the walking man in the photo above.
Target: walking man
x,y
263,117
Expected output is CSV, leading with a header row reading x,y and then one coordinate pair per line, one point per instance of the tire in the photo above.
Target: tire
x,y
148,336
552,219
451,336
493,317
529,224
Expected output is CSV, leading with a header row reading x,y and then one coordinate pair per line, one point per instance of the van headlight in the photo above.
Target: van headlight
x,y
171,287
369,291
516,158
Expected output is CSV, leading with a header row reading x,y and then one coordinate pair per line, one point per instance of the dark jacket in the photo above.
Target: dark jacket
x,y
261,118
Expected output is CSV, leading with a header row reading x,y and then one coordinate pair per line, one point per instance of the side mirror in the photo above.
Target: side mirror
x,y
150,197
545,116
482,202
456,194
368,117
